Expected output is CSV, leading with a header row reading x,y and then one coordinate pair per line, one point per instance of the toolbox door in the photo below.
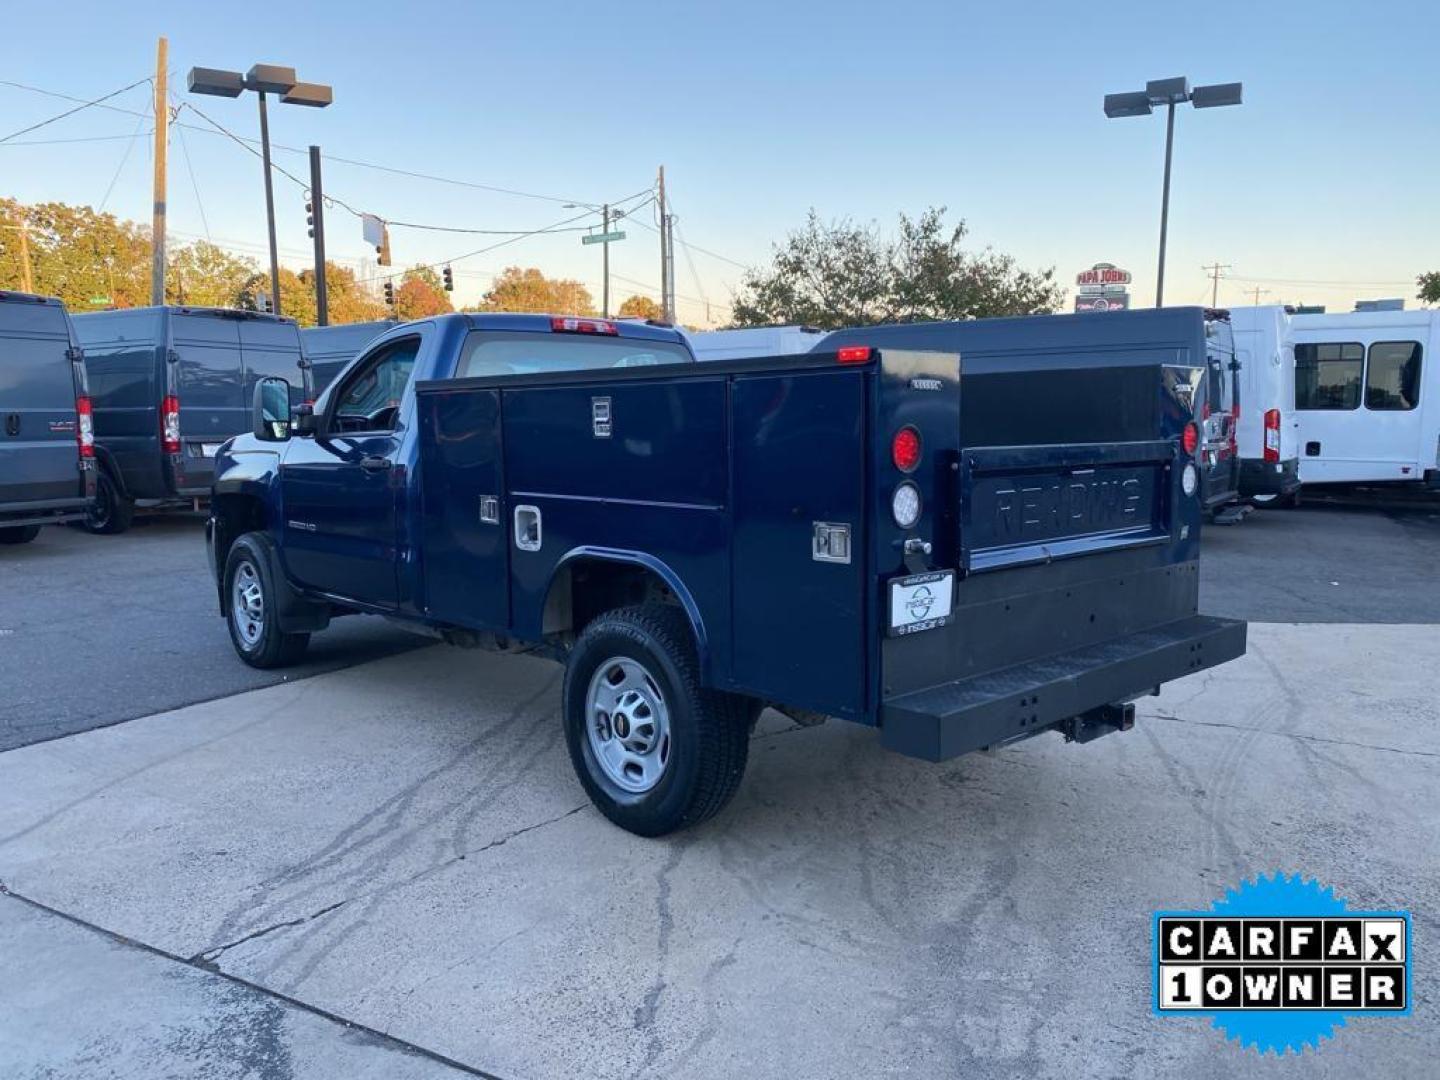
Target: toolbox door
x,y
466,548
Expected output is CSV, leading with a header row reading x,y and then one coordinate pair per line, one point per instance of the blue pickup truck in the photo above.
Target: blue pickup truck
x,y
696,541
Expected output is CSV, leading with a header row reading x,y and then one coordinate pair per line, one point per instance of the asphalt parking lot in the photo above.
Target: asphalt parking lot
x,y
390,870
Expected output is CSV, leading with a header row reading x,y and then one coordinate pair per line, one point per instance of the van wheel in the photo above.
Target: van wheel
x,y
654,750
112,512
19,534
250,609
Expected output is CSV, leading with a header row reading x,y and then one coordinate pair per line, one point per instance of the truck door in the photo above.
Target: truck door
x,y
341,490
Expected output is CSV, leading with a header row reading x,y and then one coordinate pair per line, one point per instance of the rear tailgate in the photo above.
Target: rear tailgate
x,y
1075,568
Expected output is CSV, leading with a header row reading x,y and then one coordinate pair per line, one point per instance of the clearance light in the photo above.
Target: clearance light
x,y
853,354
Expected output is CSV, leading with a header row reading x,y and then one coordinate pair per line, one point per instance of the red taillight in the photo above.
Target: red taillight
x,y
905,449
1272,435
564,325
1190,438
85,427
170,424
853,354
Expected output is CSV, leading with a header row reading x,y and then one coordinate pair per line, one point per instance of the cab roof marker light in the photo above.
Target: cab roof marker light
x,y
561,324
853,354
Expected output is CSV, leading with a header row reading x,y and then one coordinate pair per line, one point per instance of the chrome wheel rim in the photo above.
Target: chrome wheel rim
x,y
247,604
628,724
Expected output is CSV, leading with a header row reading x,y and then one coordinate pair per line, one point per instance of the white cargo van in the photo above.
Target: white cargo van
x,y
1367,392
1268,433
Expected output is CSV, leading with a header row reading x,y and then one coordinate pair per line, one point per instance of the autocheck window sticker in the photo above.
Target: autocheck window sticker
x,y
1280,963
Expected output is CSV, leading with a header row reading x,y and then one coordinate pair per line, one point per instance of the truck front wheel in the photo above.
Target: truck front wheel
x,y
251,608
655,751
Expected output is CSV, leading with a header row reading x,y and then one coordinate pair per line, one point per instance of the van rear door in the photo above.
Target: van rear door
x,y
39,457
208,380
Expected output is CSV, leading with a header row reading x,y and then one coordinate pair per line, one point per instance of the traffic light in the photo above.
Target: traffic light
x,y
449,279
390,293
310,218
382,249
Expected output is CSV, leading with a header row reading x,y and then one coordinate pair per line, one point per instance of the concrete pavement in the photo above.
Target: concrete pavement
x,y
403,845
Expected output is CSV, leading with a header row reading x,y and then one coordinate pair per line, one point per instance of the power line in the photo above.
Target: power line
x,y
88,139
71,112
199,203
121,167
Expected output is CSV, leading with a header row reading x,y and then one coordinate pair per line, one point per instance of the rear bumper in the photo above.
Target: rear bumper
x,y
954,718
1269,477
45,512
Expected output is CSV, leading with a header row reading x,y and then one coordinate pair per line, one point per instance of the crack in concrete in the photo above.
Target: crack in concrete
x,y
1293,735
207,957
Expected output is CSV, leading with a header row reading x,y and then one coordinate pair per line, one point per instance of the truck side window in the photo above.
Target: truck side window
x,y
369,400
1328,376
1392,380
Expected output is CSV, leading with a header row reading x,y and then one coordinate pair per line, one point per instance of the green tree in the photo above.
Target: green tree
x,y
839,274
75,253
421,294
641,307
348,301
1429,287
530,290
204,275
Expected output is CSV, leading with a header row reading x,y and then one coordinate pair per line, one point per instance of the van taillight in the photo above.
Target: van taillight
x,y
85,427
1272,435
170,424
1190,438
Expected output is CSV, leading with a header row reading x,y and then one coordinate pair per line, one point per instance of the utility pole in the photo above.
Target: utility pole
x,y
1214,270
317,230
162,142
605,245
1258,292
667,279
27,281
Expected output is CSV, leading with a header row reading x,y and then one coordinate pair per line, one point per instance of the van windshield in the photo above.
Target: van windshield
x,y
525,353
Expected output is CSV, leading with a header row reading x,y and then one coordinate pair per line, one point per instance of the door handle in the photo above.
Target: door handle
x,y
372,464
12,424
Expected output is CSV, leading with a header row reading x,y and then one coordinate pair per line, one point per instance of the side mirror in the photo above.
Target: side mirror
x,y
270,410
304,424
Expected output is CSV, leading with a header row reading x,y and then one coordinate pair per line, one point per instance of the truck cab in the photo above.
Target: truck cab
x,y
834,534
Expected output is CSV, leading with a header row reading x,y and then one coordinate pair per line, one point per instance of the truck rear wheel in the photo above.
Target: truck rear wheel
x,y
654,750
251,609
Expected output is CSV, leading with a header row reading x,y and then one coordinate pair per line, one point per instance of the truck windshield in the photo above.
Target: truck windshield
x,y
523,353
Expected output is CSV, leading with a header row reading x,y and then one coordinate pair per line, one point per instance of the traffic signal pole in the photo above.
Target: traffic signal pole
x,y
317,230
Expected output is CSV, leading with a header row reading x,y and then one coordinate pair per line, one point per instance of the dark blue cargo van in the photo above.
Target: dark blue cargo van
x,y
46,473
329,348
169,385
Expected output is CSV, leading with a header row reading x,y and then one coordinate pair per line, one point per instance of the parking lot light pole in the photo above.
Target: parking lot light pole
x,y
263,79
1169,92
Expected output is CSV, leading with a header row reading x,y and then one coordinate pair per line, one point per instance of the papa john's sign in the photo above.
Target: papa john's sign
x,y
1102,288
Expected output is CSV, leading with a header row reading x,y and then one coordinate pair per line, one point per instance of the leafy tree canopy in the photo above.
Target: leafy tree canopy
x,y
1429,287
421,294
836,274
641,307
530,290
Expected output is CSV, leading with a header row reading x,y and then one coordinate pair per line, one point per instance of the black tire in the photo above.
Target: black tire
x,y
708,730
268,647
19,534
112,512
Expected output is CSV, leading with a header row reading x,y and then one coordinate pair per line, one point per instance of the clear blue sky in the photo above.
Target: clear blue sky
x,y
759,111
